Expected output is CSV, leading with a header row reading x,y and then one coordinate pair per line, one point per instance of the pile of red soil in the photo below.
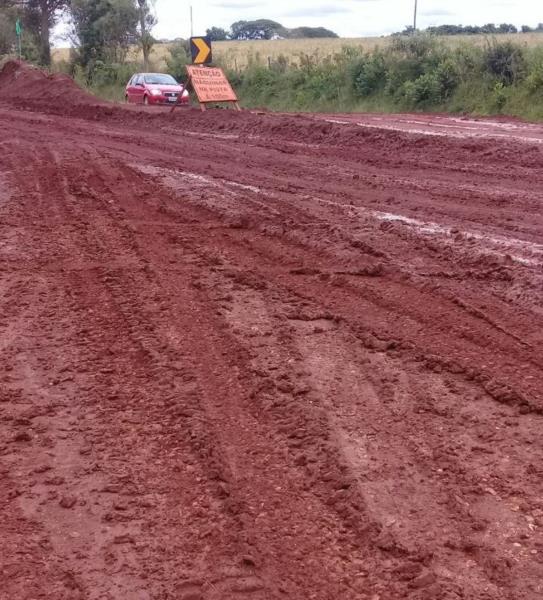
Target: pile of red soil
x,y
30,86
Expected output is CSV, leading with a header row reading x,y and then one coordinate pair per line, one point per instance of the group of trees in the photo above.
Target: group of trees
x,y
38,17
105,29
528,29
102,30
265,29
488,29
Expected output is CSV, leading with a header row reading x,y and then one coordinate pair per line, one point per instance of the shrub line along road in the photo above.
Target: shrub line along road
x,y
266,356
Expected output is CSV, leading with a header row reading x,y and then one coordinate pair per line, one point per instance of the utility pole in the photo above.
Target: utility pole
x,y
191,24
415,17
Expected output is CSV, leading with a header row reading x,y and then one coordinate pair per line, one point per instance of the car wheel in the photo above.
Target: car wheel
x,y
146,100
126,99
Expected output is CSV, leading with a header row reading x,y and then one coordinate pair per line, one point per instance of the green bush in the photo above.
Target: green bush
x,y
534,79
178,60
368,74
424,91
100,74
448,77
419,47
505,61
499,96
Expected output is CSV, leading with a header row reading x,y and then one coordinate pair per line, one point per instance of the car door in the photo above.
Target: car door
x,y
139,89
130,89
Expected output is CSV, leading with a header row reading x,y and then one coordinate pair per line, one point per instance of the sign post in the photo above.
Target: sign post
x,y
209,83
18,33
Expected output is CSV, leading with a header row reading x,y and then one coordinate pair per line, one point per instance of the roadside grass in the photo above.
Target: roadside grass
x,y
111,92
485,75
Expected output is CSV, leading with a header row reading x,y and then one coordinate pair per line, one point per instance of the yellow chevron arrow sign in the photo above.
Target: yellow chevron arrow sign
x,y
200,49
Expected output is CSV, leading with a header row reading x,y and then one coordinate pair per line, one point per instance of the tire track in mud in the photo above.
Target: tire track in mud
x,y
403,297
360,235
253,326
473,523
242,478
484,556
95,244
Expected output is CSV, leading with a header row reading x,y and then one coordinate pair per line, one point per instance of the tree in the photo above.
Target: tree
x,y
264,29
41,16
7,29
217,34
261,29
507,28
147,20
489,28
408,30
104,29
311,32
179,58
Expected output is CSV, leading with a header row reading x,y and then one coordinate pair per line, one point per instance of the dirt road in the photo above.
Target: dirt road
x,y
247,356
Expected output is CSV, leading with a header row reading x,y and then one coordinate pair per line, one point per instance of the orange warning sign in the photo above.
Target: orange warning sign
x,y
211,85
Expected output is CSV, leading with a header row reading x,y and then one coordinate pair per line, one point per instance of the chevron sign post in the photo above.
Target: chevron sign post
x,y
209,83
200,49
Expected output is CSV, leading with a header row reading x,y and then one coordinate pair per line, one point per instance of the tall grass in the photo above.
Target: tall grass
x,y
239,54
410,74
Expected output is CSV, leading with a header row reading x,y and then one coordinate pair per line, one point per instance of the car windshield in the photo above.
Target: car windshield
x,y
159,79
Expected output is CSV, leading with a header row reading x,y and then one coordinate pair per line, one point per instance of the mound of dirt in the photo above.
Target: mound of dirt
x,y
30,86
25,86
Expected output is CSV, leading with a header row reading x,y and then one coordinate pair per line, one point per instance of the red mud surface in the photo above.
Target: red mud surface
x,y
263,357
441,125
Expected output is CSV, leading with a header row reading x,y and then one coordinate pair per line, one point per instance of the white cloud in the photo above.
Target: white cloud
x,y
350,18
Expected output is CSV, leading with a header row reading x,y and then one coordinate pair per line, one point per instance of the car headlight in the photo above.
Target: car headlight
x,y
156,93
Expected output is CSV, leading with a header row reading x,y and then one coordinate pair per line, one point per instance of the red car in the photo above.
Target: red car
x,y
155,88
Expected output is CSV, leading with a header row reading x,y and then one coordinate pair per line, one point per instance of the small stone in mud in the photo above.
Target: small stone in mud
x,y
22,436
56,480
423,580
123,539
222,489
300,460
68,501
14,494
248,561
42,469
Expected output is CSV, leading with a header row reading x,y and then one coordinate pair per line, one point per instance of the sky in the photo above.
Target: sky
x,y
348,18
